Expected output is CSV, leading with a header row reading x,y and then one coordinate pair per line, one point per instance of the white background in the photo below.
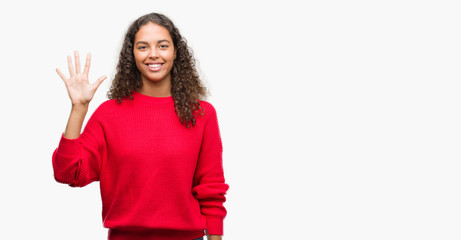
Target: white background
x,y
339,119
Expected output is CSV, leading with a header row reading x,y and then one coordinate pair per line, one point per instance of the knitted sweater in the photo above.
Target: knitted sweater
x,y
158,179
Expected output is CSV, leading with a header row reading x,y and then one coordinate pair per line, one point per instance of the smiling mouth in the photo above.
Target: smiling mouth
x,y
155,67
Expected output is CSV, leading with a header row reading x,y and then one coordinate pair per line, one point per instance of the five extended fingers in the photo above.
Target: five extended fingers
x,y
86,68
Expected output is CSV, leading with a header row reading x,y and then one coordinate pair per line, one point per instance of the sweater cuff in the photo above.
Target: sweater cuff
x,y
68,147
215,225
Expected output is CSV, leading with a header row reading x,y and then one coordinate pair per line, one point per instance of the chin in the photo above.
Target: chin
x,y
156,79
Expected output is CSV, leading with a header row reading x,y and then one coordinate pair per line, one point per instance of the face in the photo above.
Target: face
x,y
154,52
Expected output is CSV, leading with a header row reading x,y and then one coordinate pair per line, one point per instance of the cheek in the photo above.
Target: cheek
x,y
138,59
168,56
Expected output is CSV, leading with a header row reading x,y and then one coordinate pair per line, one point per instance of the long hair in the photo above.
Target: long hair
x,y
186,87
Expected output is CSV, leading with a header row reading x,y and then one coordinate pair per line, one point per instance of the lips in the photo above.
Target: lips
x,y
154,66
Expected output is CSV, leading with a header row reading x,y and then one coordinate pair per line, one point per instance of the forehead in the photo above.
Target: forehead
x,y
152,32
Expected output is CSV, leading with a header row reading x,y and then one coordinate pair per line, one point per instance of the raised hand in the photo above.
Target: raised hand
x,y
79,88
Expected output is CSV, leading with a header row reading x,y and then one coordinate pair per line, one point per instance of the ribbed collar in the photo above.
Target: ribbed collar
x,y
139,96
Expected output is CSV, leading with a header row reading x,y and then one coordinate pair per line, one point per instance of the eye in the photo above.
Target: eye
x,y
163,46
142,47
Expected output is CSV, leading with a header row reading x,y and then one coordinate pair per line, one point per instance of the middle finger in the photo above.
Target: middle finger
x,y
77,63
86,69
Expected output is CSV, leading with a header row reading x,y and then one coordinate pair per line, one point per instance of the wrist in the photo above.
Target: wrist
x,y
80,107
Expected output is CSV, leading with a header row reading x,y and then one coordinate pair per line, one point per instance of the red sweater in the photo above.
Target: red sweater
x,y
158,179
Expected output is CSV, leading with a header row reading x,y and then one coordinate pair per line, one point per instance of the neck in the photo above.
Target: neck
x,y
160,88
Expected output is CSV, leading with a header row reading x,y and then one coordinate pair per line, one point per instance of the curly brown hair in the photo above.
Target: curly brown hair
x,y
186,87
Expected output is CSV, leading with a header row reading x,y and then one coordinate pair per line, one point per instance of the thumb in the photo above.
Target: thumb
x,y
99,81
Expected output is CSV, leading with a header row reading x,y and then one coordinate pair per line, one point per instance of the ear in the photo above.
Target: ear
x,y
174,58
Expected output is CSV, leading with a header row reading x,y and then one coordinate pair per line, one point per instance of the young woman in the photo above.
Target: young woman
x,y
154,146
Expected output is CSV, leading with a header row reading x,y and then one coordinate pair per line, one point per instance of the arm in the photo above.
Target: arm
x,y
78,161
80,93
209,184
75,122
78,157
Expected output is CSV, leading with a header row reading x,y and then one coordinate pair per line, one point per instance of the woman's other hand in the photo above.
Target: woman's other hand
x,y
214,237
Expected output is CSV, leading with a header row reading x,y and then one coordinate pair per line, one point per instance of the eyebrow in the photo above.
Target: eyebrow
x,y
159,41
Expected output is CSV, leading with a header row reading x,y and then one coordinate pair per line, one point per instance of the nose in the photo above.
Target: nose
x,y
153,53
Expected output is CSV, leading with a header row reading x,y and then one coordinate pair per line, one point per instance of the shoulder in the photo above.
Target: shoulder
x,y
105,108
208,108
106,105
110,103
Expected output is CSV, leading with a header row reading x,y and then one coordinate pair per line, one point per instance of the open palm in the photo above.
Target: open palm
x,y
79,88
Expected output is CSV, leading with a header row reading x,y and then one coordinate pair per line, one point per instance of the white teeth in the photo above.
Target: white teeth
x,y
154,65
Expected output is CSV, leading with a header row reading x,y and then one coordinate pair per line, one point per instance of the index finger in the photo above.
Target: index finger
x,y
86,69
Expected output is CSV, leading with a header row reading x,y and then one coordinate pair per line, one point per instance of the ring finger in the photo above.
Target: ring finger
x,y
69,64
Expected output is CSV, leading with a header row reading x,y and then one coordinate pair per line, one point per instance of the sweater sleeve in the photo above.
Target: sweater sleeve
x,y
209,183
77,162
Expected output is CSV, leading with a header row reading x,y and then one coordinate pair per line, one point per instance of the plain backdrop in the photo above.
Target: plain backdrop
x,y
339,119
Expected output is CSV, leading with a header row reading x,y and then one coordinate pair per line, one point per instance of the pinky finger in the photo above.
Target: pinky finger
x,y
61,74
